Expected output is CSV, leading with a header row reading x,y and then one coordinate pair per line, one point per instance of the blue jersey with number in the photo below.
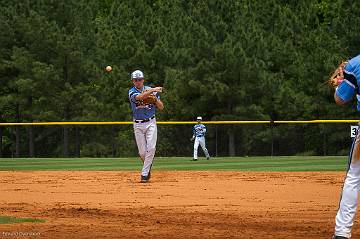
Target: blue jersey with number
x,y
350,86
140,110
199,130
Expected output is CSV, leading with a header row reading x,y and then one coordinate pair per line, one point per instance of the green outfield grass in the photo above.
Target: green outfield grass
x,y
280,164
10,220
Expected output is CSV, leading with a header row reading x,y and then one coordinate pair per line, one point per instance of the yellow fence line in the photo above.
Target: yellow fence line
x,y
184,122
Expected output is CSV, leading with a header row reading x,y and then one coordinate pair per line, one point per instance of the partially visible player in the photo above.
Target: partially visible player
x,y
347,77
145,128
199,131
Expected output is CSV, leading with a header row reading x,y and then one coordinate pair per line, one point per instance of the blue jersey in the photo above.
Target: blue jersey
x,y
139,109
199,130
350,86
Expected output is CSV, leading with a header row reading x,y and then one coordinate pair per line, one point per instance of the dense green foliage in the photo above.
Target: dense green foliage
x,y
269,164
228,60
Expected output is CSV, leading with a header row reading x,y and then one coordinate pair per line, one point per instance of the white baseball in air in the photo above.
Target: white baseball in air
x,y
108,68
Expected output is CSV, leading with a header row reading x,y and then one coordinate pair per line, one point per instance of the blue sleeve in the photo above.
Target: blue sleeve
x,y
345,91
132,95
348,68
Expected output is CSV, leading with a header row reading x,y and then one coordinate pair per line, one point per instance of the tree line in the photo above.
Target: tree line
x,y
223,60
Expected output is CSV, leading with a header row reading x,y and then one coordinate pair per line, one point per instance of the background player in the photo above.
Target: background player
x,y
199,131
145,128
348,74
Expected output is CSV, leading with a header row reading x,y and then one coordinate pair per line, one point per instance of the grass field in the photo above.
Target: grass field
x,y
280,164
9,220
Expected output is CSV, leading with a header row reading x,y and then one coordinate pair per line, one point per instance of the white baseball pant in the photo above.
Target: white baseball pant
x,y
201,141
345,216
146,137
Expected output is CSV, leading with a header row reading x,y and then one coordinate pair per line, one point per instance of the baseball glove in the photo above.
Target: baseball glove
x,y
151,99
338,76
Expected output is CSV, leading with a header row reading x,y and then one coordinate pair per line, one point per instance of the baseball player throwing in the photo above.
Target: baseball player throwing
x,y
346,79
144,101
199,131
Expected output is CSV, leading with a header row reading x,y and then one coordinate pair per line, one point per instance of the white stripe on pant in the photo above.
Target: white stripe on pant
x,y
146,137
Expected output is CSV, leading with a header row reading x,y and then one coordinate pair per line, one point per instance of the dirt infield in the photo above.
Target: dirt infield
x,y
95,204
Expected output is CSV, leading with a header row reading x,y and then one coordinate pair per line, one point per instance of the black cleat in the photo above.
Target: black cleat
x,y
339,237
194,160
207,158
144,179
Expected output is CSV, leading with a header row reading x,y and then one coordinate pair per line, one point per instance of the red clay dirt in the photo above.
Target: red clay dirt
x,y
177,204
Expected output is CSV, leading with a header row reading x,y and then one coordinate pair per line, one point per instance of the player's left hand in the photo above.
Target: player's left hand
x,y
338,76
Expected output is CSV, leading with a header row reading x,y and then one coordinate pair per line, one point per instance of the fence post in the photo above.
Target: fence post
x,y
78,141
65,130
31,142
216,140
1,141
272,137
17,142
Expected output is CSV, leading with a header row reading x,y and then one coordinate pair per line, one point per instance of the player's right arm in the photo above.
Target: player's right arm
x,y
147,92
